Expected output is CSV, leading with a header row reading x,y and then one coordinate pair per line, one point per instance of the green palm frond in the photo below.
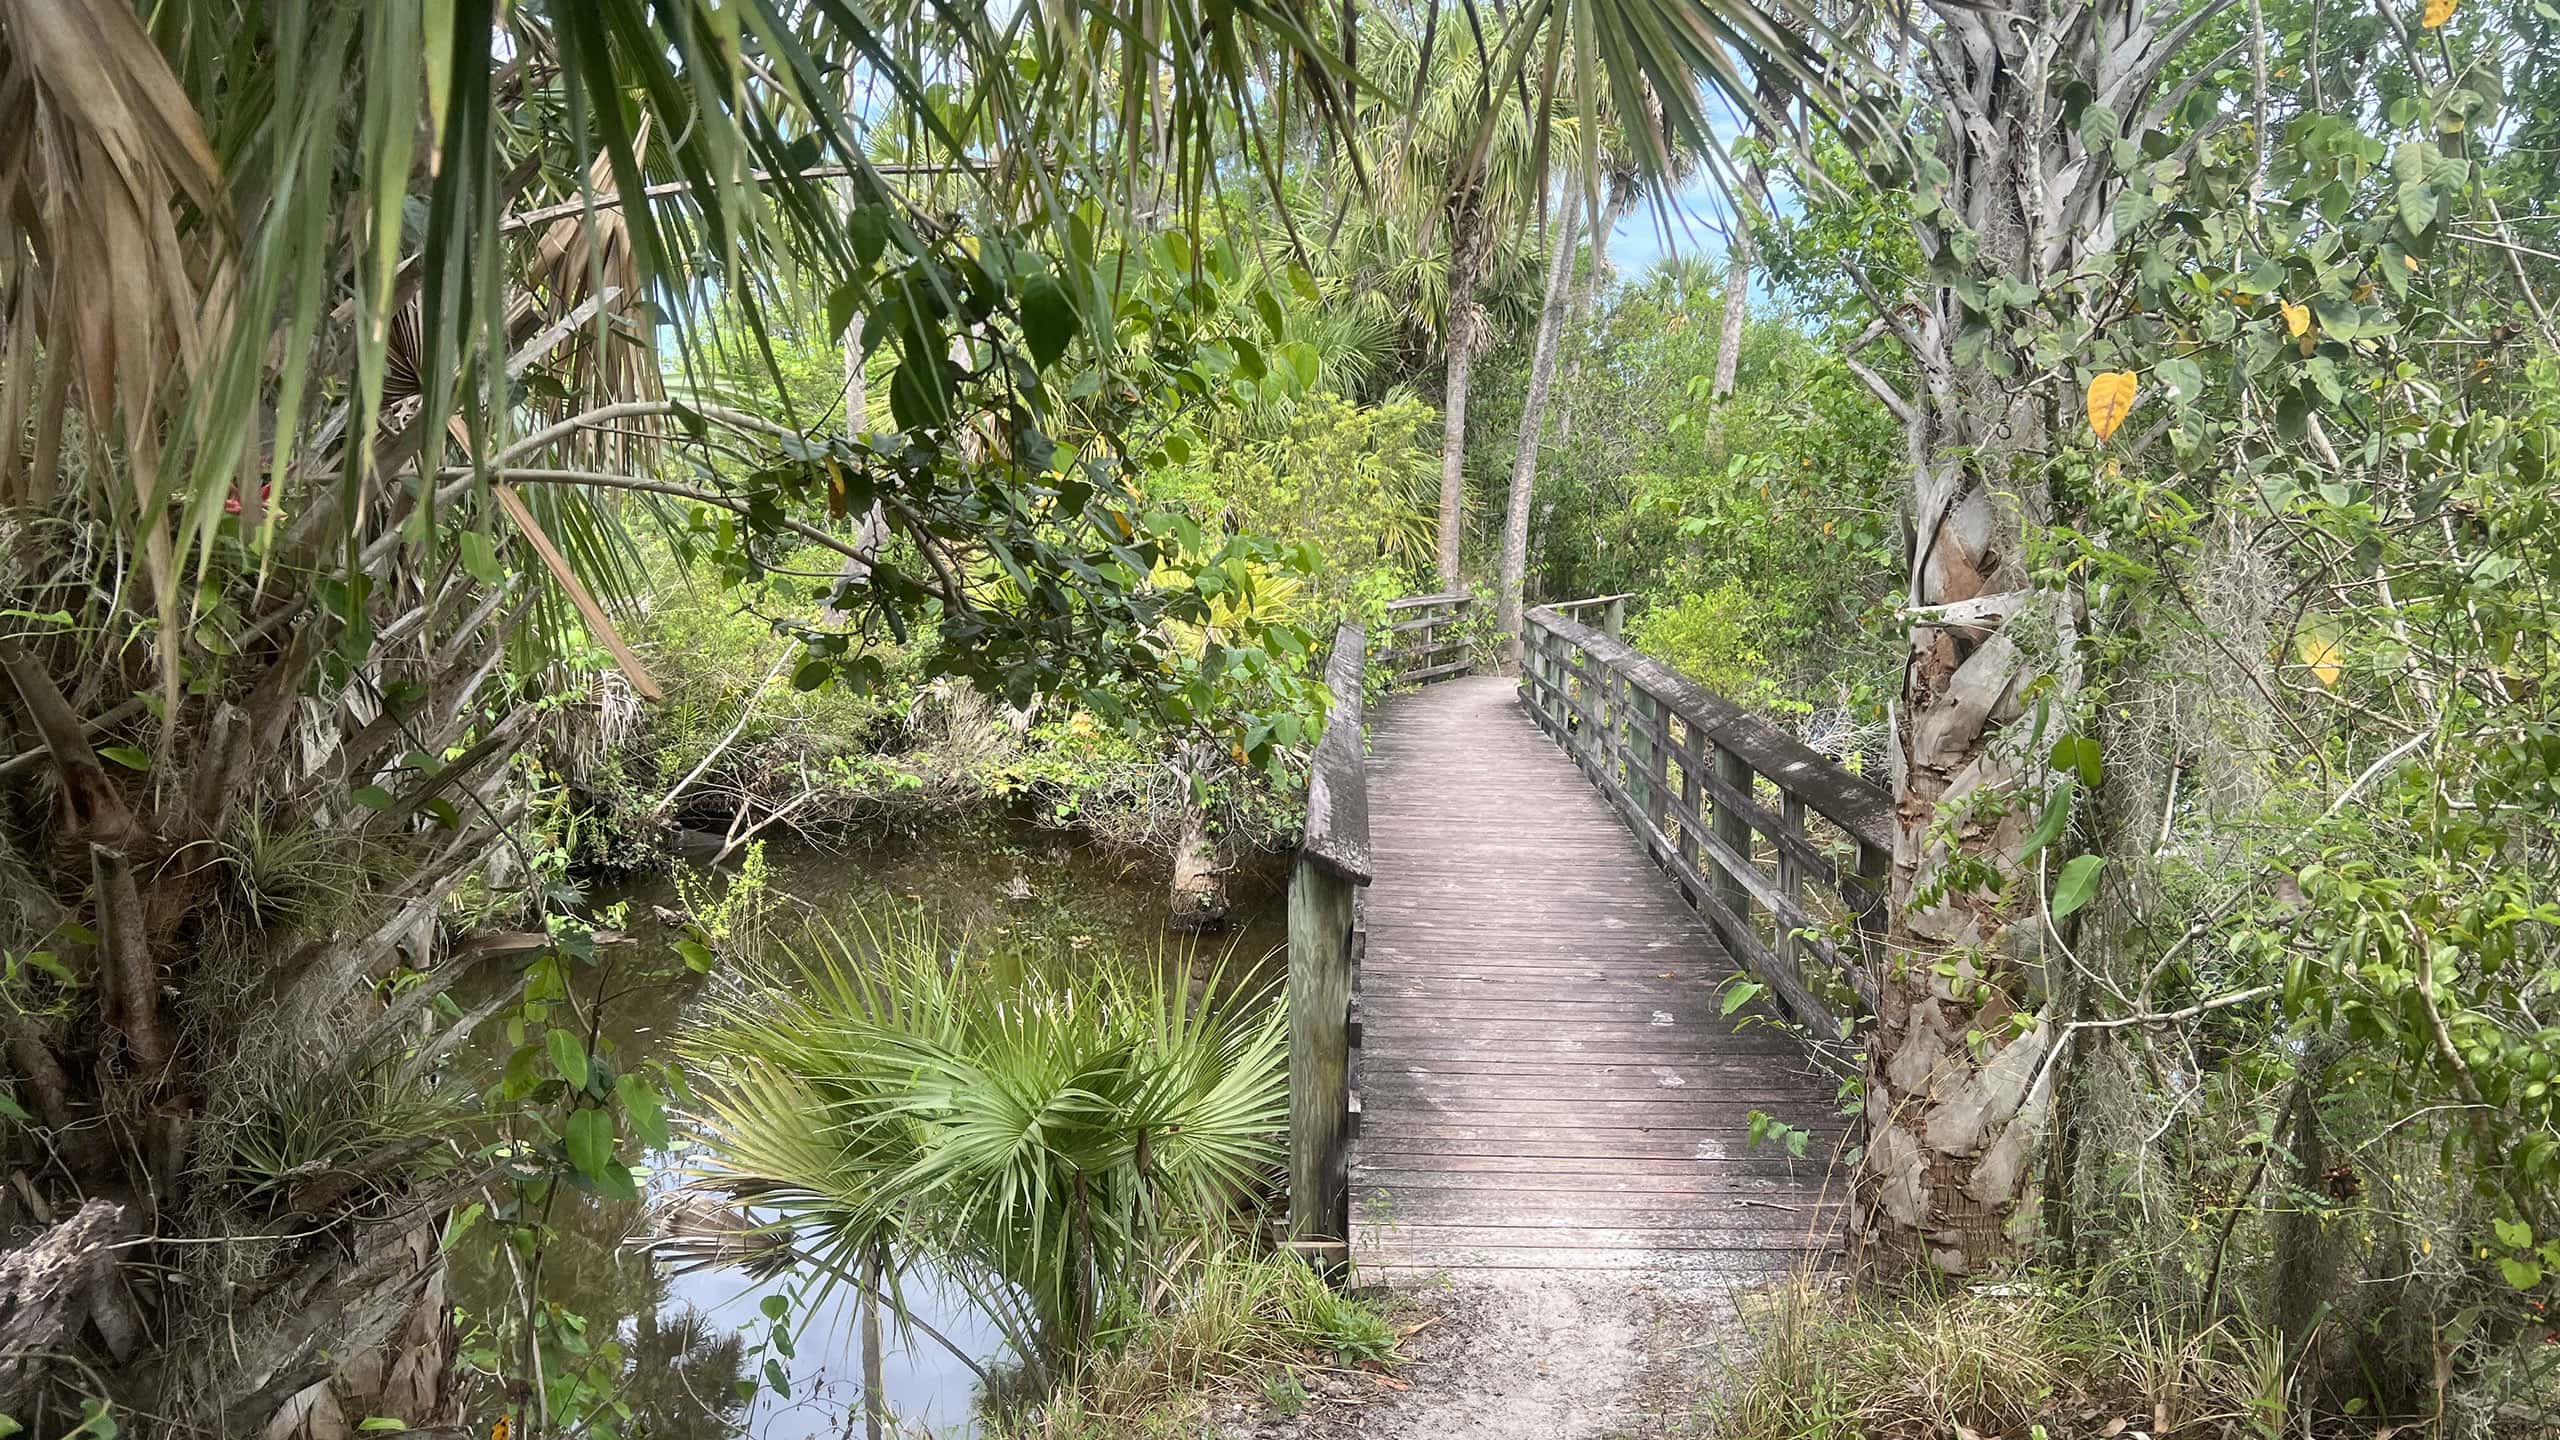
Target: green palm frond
x,y
992,1113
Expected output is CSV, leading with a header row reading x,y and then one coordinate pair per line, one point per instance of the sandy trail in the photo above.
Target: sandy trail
x,y
1536,1355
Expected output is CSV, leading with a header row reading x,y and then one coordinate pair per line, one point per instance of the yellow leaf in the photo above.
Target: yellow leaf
x,y
2324,656
2438,12
2411,261
2111,395
2297,318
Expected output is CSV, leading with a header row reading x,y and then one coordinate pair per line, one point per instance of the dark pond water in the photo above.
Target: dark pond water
x,y
691,1337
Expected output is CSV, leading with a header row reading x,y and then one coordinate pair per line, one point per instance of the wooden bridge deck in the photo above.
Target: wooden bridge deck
x,y
1545,1082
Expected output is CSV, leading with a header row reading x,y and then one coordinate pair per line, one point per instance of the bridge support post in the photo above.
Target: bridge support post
x,y
1321,910
1324,903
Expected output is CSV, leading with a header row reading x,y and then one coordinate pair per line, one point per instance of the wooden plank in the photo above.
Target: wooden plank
x,y
1417,602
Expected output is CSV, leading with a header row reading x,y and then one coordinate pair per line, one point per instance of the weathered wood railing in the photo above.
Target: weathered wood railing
x,y
1687,769
1612,608
1425,640
1324,960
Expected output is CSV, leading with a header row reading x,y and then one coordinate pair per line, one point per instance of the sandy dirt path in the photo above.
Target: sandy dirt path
x,y
1532,1355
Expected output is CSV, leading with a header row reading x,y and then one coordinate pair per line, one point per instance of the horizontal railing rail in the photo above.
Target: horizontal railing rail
x,y
1612,608
1325,942
1426,639
1735,809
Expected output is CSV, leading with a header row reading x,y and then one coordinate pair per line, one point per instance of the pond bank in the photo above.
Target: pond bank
x,y
692,1337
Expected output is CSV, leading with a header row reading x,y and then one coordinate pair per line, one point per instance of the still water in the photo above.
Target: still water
x,y
692,1337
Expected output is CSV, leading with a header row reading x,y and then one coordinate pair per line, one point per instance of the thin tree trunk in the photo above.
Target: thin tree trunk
x,y
1742,254
1533,416
1622,192
1468,242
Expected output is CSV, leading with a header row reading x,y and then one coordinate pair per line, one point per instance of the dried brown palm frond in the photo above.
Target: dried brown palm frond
x,y
610,360
106,161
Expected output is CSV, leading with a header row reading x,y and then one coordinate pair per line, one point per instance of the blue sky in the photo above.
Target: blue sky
x,y
1691,224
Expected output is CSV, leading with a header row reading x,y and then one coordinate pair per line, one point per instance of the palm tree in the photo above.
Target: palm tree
x,y
1029,1126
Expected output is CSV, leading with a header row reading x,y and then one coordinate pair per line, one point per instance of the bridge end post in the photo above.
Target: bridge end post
x,y
1321,910
1324,906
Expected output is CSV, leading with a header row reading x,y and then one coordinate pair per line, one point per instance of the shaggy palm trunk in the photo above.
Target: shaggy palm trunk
x,y
1533,416
1470,243
215,1010
1950,1154
1199,897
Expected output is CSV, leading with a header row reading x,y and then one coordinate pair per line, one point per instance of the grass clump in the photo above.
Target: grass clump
x,y
2032,1358
1231,1324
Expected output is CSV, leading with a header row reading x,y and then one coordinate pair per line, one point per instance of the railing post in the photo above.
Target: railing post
x,y
1734,829
1656,777
1613,617
1324,889
1790,875
1321,906
1692,793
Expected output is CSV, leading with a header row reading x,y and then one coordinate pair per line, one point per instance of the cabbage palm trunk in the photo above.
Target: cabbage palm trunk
x,y
2024,195
1470,246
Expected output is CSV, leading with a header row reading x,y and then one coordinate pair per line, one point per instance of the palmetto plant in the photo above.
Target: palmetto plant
x,y
1035,1134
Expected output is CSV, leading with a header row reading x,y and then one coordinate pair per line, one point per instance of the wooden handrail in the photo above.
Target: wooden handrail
x,y
1324,959
1429,646
1683,765
1337,833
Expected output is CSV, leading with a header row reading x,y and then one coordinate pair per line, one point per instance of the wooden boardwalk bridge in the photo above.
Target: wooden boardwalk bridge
x,y
1524,903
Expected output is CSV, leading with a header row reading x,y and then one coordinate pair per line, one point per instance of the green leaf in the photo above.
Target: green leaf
x,y
2183,379
568,1056
2324,377
843,303
1049,319
2418,204
2078,882
481,558
2522,1274
1740,994
643,1107
2057,813
811,674
2514,1234
126,756
371,797
383,1422
2079,754
696,956
590,1141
